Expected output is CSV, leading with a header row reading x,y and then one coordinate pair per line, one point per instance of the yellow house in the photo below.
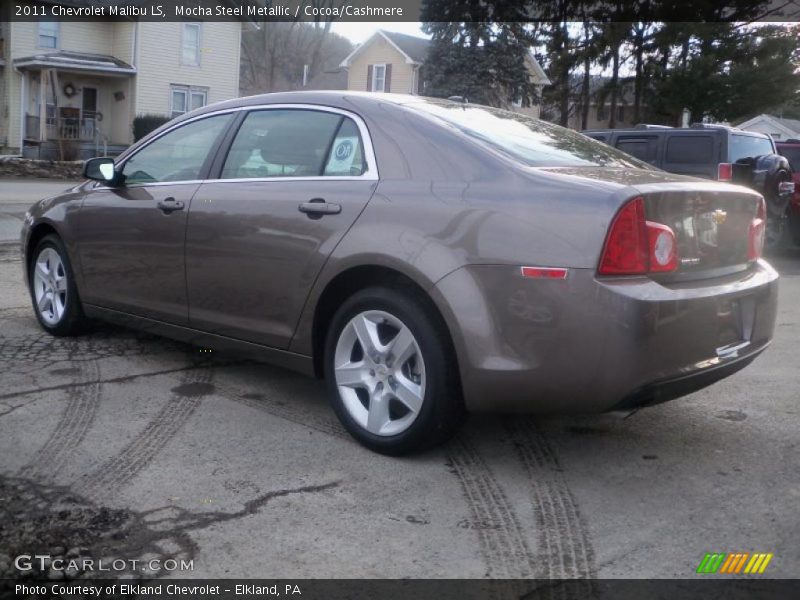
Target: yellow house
x,y
395,62
83,82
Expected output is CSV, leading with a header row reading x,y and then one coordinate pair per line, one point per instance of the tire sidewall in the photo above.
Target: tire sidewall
x,y
438,377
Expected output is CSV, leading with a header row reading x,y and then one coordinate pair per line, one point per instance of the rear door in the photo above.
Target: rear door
x,y
291,184
132,236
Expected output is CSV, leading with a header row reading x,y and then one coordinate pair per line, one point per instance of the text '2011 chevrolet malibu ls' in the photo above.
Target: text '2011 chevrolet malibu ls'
x,y
427,258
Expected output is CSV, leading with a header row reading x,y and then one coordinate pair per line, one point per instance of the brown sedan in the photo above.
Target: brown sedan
x,y
427,258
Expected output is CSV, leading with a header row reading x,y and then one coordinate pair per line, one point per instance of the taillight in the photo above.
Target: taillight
x,y
636,246
663,250
725,172
755,239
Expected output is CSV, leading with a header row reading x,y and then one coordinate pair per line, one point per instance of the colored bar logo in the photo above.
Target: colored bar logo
x,y
734,563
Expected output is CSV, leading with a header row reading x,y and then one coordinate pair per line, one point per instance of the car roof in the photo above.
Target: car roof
x,y
323,97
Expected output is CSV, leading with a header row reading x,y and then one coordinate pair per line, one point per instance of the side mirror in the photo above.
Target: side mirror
x,y
101,169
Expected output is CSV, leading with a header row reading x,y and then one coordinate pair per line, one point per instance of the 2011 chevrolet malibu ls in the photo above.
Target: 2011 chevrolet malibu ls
x,y
427,258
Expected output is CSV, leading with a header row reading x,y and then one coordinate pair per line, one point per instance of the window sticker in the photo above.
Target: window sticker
x,y
342,154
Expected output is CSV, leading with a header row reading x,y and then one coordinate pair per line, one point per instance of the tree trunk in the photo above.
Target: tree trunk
x,y
638,85
612,121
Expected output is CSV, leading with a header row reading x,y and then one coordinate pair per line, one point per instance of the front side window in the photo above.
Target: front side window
x,y
378,78
294,143
190,46
48,34
184,99
176,156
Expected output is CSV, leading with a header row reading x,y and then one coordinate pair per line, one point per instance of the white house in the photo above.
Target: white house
x,y
84,82
779,128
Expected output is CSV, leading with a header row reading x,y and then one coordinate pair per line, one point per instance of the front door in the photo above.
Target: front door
x,y
292,184
88,113
132,236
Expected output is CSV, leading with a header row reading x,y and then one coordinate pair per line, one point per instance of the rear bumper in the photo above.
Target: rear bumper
x,y
590,345
663,391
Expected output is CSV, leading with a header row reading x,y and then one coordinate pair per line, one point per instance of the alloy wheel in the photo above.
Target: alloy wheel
x,y
50,286
380,372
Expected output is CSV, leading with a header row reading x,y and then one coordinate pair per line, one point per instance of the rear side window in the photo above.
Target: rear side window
x,y
642,148
690,149
792,154
747,146
294,143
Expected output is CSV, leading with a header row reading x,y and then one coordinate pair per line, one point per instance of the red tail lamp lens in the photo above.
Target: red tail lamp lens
x,y
635,246
625,252
757,233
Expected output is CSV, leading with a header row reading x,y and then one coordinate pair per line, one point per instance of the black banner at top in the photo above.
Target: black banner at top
x,y
261,11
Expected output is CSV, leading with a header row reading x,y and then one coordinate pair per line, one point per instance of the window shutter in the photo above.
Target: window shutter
x,y
369,78
387,86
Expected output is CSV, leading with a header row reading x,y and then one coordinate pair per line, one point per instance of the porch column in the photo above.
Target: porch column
x,y
44,80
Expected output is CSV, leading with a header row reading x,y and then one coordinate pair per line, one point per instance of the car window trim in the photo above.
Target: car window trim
x,y
226,139
370,174
204,168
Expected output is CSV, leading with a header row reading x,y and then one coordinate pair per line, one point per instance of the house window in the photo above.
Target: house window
x,y
620,113
48,34
185,98
602,115
378,78
190,45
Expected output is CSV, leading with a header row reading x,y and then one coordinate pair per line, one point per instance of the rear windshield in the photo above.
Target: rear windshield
x,y
530,141
747,146
792,155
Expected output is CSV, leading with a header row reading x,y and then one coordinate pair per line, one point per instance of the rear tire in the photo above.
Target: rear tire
x,y
391,373
51,282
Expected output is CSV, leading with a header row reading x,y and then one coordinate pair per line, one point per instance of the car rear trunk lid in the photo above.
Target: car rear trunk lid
x,y
712,228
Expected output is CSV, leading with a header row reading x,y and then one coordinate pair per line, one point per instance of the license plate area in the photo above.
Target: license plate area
x,y
736,320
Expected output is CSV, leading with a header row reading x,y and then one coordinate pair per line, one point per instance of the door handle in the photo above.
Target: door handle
x,y
169,205
316,207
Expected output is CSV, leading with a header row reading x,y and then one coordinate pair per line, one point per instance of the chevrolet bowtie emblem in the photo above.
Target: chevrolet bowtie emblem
x,y
719,216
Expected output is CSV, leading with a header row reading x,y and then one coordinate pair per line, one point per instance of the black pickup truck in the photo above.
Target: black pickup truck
x,y
715,152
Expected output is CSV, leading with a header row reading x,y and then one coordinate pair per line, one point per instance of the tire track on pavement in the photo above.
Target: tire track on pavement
x,y
565,546
502,540
75,421
118,470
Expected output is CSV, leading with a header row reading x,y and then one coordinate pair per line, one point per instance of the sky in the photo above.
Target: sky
x,y
359,32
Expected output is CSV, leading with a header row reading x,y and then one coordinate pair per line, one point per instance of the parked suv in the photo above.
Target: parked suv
x,y
791,150
715,152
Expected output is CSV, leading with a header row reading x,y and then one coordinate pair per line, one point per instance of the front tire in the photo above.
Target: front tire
x,y
390,371
56,303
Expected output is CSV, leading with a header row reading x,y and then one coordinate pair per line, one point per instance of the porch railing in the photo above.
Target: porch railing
x,y
61,128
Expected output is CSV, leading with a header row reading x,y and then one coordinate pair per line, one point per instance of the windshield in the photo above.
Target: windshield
x,y
792,154
530,141
748,146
